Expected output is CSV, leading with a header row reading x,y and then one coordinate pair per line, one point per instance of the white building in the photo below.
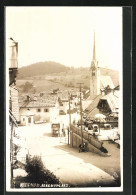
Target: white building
x,y
37,111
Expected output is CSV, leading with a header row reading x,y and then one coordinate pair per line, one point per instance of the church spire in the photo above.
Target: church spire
x,y
94,54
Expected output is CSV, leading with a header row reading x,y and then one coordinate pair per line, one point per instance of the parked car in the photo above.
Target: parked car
x,y
93,129
107,126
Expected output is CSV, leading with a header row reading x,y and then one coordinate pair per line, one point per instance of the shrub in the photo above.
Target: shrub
x,y
37,173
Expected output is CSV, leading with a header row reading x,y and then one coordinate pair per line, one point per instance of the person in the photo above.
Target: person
x,y
74,121
103,149
63,132
82,147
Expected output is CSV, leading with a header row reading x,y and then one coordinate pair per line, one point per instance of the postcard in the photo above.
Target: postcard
x,y
64,107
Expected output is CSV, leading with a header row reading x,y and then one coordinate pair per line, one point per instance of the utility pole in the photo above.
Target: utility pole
x,y
69,117
81,112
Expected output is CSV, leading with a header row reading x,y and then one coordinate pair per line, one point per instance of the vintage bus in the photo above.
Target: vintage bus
x,y
55,127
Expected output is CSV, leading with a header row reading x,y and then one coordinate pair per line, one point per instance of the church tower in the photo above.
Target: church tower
x,y
94,75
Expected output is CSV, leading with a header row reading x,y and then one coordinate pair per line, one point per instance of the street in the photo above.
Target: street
x,y
70,166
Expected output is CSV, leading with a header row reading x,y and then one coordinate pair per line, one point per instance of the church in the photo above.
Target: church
x,y
104,93
98,81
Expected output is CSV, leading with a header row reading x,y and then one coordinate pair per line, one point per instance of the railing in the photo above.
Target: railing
x,y
89,138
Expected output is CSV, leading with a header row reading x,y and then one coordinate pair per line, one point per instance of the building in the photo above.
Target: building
x,y
104,96
12,63
98,81
109,103
67,99
37,110
105,103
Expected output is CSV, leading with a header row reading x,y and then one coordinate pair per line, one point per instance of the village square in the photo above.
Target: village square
x,y
74,131
63,100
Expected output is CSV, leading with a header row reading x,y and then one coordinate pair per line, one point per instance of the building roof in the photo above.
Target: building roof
x,y
37,104
112,100
85,104
93,112
106,80
93,104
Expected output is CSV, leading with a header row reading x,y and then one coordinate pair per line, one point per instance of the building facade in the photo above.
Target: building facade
x,y
36,111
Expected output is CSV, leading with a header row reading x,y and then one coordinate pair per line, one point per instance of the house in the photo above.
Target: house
x,y
35,110
27,117
67,99
104,103
109,103
12,64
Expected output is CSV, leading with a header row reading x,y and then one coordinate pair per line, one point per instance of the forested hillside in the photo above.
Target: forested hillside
x,y
41,68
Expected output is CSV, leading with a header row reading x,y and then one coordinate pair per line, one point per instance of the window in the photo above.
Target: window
x,y
29,120
46,110
38,110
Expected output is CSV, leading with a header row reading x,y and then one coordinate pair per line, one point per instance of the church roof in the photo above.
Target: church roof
x,y
112,100
93,104
93,113
106,80
114,74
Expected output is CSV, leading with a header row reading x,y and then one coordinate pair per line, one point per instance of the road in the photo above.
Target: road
x,y
71,167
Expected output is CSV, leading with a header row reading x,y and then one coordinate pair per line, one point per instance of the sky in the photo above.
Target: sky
x,y
66,35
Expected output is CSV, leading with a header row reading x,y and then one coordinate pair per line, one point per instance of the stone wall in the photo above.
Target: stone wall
x,y
92,143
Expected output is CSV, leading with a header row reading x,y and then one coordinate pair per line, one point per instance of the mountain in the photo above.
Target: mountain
x,y
41,68
59,71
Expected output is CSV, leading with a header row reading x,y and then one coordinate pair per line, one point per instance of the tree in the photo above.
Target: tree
x,y
37,173
27,86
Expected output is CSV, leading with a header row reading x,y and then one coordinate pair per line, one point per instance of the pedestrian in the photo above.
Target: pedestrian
x,y
80,148
84,147
64,134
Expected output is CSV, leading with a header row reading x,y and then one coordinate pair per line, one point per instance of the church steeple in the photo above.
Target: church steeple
x,y
94,75
94,62
94,54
